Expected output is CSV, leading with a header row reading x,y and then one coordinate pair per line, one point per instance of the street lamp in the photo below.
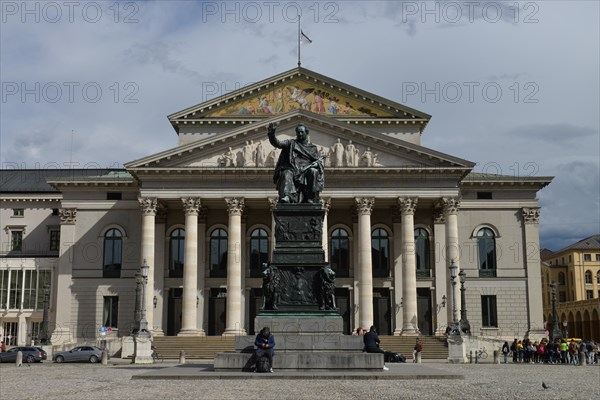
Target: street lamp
x,y
142,280
454,330
565,324
44,337
556,334
465,326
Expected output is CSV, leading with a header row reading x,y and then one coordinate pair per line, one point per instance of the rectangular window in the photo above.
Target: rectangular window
x,y
484,195
15,293
597,257
3,289
570,258
562,260
54,240
35,331
18,212
16,240
589,294
488,312
110,314
29,290
587,257
114,196
44,277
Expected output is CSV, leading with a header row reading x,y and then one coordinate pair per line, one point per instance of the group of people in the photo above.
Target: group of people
x,y
371,341
548,352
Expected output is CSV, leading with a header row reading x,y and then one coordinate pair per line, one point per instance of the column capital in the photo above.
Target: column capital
x,y
531,215
407,205
235,205
364,205
438,216
149,205
68,216
191,205
450,205
326,204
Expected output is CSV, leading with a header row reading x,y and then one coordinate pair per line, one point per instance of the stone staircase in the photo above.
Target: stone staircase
x,y
434,348
205,347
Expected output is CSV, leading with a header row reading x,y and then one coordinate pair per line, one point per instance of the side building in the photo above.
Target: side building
x,y
200,215
575,270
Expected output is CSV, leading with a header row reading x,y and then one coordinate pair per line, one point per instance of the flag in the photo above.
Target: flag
x,y
304,39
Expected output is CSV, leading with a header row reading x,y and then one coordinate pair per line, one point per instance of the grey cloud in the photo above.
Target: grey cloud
x,y
554,132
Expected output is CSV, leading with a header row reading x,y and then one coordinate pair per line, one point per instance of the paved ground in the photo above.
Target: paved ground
x,y
483,381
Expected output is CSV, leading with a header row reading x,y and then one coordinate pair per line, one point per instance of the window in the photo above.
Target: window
x,y
562,297
113,249
339,252
598,277
598,257
54,240
561,278
110,311
259,251
15,293
486,246
16,240
29,290
18,212
55,211
44,282
114,196
589,294
587,257
484,195
422,252
588,277
488,312
570,258
380,248
218,253
562,261
176,253
3,289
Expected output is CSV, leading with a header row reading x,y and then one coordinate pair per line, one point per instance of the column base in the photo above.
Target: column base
x,y
397,332
142,351
410,331
157,332
191,332
235,332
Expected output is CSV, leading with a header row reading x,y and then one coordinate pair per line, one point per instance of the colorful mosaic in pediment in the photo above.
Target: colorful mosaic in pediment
x,y
301,95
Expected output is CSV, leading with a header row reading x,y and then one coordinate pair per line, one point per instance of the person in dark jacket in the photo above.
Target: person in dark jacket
x,y
371,341
265,345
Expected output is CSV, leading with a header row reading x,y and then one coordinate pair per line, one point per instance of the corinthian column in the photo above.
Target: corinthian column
x,y
364,206
407,208
191,207
235,208
450,207
148,205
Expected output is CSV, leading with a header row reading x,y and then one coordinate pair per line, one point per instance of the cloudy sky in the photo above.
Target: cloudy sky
x,y
512,86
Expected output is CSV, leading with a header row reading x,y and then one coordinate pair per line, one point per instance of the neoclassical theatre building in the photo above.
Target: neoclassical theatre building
x,y
200,215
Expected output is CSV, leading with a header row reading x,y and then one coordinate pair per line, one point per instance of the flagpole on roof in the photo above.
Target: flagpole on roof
x,y
298,40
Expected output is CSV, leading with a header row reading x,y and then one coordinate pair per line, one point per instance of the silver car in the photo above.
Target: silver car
x,y
81,353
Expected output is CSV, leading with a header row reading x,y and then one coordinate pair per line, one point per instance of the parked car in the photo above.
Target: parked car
x,y
30,354
44,354
80,353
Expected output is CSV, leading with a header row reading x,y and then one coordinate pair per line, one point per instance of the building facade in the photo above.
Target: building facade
x,y
575,270
200,216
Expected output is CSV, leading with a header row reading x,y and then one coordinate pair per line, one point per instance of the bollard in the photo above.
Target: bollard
x,y
418,357
104,357
182,357
582,358
471,357
19,359
496,358
476,357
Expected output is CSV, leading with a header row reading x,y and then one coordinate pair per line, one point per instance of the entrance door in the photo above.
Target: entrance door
x,y
342,300
381,312
424,311
217,306
174,311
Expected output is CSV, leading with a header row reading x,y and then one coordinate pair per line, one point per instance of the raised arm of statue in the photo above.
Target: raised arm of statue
x,y
272,139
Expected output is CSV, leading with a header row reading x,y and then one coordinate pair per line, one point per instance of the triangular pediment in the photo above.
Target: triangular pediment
x,y
346,147
298,89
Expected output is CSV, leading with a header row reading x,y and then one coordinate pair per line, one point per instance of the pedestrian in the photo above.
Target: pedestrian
x,y
417,350
515,351
2,346
505,351
371,341
265,346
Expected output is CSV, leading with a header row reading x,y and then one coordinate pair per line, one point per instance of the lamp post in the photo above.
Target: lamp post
x,y
44,335
565,324
142,346
556,334
465,326
454,330
143,327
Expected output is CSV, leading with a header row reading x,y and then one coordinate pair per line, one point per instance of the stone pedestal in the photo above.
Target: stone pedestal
x,y
456,350
142,350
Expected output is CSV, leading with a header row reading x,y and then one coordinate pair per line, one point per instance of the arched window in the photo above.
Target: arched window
x,y
422,252
588,277
561,278
486,245
218,253
380,249
113,252
339,252
259,251
176,253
